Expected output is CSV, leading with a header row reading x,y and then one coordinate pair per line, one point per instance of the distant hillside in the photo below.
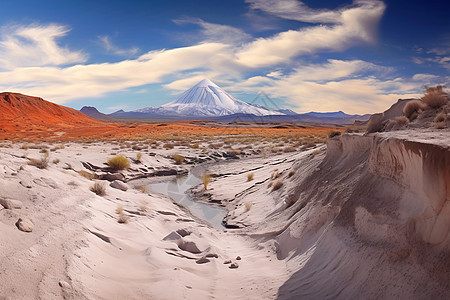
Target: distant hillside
x,y
17,111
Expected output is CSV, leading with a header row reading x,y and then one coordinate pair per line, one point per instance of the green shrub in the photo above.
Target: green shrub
x,y
119,163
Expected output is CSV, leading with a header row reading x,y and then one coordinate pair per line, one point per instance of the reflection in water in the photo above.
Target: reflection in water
x,y
176,189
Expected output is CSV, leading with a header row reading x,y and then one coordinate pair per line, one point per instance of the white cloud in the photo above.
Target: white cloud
x,y
425,78
111,48
295,10
93,80
356,25
337,85
211,32
35,45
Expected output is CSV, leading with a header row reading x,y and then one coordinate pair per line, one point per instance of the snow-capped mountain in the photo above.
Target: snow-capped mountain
x,y
207,99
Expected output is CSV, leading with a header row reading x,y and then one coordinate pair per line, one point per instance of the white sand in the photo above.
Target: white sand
x,y
369,219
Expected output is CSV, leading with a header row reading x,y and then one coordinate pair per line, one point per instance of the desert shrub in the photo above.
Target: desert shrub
x,y
291,173
123,219
206,179
375,123
413,108
334,133
119,209
439,125
275,174
143,208
195,146
435,96
168,146
86,174
248,206
277,185
178,158
119,162
56,161
41,163
250,176
440,117
402,121
143,189
315,152
139,157
99,189
289,149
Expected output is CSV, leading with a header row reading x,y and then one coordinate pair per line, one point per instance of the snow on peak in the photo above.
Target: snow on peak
x,y
208,99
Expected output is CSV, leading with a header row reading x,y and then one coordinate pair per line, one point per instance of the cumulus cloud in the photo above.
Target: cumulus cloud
x,y
111,48
63,84
351,86
35,45
354,25
211,32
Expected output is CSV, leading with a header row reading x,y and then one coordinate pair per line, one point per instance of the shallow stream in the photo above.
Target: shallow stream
x,y
176,188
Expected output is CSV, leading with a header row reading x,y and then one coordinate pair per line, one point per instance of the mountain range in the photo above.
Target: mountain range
x,y
207,101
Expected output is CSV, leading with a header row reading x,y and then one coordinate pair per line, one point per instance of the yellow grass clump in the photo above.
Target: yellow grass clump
x,y
119,162
206,179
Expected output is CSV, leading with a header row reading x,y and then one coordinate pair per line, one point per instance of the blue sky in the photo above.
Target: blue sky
x,y
356,56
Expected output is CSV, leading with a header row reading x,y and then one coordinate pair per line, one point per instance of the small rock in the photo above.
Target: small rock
x,y
112,176
238,258
227,262
64,284
183,232
234,266
24,225
212,255
10,204
203,260
117,184
26,184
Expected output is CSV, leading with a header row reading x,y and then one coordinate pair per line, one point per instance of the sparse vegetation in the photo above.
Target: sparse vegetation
x,y
291,173
195,146
413,108
56,161
119,163
334,133
119,209
168,146
123,219
275,174
139,157
41,163
143,189
250,176
248,206
435,96
206,179
99,189
179,159
402,121
86,174
277,185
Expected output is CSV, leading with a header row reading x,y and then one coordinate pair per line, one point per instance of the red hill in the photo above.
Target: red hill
x,y
18,109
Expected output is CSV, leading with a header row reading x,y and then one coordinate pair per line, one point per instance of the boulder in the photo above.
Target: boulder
x,y
10,204
117,184
111,176
24,225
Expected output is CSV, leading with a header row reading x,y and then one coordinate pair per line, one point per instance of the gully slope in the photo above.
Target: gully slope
x,y
369,220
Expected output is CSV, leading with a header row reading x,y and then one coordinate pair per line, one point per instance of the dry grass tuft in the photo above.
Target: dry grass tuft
x,y
143,189
168,146
402,121
277,185
179,159
86,174
440,117
139,157
119,209
99,189
291,173
123,219
248,206
435,96
206,179
119,163
413,108
275,174
250,176
41,163
195,146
